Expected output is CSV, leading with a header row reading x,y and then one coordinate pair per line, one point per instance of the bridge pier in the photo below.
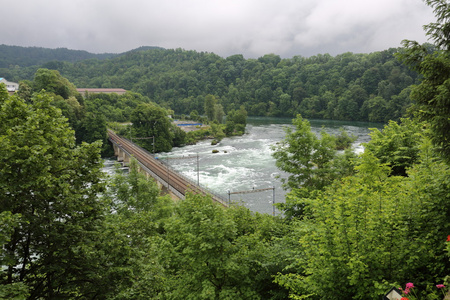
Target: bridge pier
x,y
126,160
116,149
121,155
162,187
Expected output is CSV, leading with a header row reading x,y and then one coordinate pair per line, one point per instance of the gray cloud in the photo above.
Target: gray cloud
x,y
225,27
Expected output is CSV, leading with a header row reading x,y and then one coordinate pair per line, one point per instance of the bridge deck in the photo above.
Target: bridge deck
x,y
174,181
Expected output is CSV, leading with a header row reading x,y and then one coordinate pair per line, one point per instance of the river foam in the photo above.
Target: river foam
x,y
245,162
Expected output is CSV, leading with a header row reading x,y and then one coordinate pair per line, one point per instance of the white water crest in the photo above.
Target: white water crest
x,y
245,163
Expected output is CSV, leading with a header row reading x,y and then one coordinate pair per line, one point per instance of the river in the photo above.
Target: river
x,y
245,162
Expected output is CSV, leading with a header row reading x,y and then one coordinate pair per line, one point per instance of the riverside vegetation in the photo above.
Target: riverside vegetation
x,y
70,232
352,228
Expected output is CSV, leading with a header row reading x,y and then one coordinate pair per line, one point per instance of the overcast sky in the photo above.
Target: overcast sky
x,y
226,27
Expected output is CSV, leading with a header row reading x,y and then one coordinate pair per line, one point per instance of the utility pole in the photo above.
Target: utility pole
x,y
189,156
168,174
198,172
273,202
131,138
153,145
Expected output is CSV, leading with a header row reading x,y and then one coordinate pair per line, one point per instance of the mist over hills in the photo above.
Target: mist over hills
x,y
11,56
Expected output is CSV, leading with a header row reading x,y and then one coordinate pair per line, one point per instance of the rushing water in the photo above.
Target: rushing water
x,y
245,163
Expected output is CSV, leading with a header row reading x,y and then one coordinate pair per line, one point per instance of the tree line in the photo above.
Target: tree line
x,y
371,87
131,114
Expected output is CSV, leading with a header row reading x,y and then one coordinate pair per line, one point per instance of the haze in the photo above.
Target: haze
x,y
226,27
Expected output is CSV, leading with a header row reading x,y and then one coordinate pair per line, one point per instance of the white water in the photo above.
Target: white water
x,y
245,163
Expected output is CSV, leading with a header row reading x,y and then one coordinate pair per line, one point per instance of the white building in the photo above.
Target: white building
x,y
10,86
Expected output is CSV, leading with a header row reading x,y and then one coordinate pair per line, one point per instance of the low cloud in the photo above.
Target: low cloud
x,y
225,27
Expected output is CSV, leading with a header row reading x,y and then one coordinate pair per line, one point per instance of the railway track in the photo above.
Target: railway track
x,y
168,177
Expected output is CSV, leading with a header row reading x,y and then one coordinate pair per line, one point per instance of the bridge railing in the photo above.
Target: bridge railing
x,y
148,170
215,195
192,182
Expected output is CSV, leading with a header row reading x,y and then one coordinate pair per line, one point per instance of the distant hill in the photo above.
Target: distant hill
x,y
33,56
371,87
144,48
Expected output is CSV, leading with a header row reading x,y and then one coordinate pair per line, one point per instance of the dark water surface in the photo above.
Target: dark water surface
x,y
245,162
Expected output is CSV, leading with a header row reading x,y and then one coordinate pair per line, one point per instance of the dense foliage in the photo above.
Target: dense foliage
x,y
353,226
89,124
371,87
152,124
431,96
50,187
65,236
381,223
311,163
369,232
90,114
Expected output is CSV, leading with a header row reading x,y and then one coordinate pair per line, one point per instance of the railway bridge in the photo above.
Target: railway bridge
x,y
175,183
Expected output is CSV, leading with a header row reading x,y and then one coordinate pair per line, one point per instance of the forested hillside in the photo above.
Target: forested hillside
x,y
12,56
369,87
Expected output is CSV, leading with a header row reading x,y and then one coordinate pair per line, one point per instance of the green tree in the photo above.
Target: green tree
x,y
400,105
210,105
93,128
52,82
343,140
194,115
53,186
236,121
431,96
266,86
151,122
305,157
14,290
240,116
217,253
3,93
139,216
376,109
310,162
346,108
218,113
397,145
25,90
372,230
70,108
179,136
229,128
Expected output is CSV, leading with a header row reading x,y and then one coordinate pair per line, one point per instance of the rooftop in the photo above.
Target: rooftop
x,y
100,90
85,91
